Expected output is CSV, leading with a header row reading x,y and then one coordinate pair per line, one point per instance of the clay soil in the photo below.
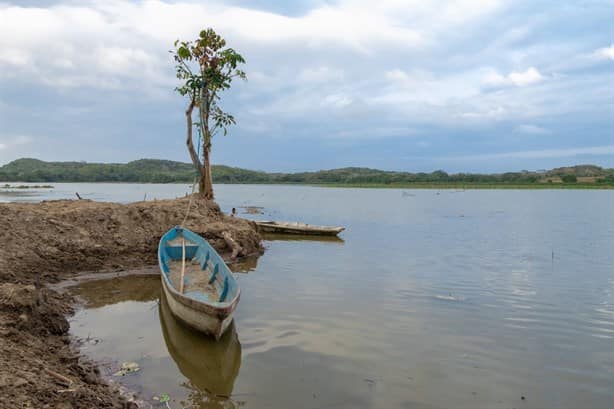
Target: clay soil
x,y
47,242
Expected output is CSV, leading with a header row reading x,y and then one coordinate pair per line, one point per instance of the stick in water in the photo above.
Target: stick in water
x,y
182,265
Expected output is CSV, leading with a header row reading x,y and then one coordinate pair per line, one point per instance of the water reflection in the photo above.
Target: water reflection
x,y
98,293
245,265
211,367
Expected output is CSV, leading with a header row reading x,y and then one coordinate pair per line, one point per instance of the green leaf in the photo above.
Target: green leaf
x,y
183,52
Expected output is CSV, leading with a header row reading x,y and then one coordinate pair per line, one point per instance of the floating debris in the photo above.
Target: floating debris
x,y
449,297
127,368
253,209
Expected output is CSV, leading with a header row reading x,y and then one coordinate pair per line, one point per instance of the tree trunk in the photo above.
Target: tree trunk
x,y
208,182
193,154
201,185
204,105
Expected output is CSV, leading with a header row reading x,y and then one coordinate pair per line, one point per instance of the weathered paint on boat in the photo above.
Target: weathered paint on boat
x,y
195,308
298,228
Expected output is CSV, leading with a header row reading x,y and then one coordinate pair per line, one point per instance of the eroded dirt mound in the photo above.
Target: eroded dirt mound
x,y
44,240
41,243
38,369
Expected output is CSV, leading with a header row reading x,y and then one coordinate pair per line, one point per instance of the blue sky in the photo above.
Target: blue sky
x,y
459,85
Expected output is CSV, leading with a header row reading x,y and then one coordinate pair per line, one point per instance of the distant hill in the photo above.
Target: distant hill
x,y
139,171
165,171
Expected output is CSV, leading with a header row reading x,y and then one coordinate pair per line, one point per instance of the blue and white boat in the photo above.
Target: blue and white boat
x,y
200,289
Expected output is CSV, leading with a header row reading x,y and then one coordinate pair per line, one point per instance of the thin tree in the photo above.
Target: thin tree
x,y
206,67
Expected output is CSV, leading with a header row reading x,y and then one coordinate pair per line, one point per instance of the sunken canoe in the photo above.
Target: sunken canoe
x,y
298,228
208,295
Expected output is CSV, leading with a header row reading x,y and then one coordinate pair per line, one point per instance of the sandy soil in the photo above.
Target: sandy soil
x,y
50,241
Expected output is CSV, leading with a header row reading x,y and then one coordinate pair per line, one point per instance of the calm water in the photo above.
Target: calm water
x,y
433,299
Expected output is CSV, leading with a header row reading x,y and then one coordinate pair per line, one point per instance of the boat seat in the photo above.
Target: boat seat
x,y
175,252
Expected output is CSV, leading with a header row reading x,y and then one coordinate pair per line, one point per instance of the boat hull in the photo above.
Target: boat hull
x,y
299,229
208,295
204,318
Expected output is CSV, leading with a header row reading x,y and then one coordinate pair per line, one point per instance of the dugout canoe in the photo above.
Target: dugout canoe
x,y
298,228
208,295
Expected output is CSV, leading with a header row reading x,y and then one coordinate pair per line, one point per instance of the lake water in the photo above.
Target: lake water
x,y
433,299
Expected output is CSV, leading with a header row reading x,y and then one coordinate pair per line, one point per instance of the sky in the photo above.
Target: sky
x,y
414,85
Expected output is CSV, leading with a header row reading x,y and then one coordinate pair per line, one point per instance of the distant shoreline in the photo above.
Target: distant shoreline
x,y
476,186
165,171
419,186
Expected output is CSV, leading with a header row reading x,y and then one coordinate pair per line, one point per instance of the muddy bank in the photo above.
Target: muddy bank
x,y
46,242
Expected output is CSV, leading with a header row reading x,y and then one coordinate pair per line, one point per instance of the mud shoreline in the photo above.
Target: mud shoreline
x,y
45,243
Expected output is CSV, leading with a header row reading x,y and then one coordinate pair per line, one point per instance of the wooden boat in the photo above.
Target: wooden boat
x,y
200,289
302,237
298,228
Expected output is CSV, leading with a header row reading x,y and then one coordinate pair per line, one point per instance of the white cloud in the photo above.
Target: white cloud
x,y
320,74
337,100
517,78
528,77
397,75
531,129
495,112
109,39
605,53
420,86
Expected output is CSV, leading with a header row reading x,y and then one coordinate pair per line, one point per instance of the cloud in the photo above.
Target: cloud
x,y
352,70
73,46
119,41
531,130
516,78
543,153
111,40
14,144
605,53
320,74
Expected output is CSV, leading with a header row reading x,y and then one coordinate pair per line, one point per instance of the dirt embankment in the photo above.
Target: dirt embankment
x,y
45,242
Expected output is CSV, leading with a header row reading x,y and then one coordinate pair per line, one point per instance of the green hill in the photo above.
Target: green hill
x,y
165,171
139,171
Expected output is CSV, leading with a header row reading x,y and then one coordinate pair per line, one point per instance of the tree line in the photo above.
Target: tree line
x,y
165,171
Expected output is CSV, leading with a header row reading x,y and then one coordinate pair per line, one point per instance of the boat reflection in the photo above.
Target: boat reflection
x,y
211,366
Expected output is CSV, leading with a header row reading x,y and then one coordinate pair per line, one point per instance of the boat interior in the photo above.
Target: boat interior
x,y
206,278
